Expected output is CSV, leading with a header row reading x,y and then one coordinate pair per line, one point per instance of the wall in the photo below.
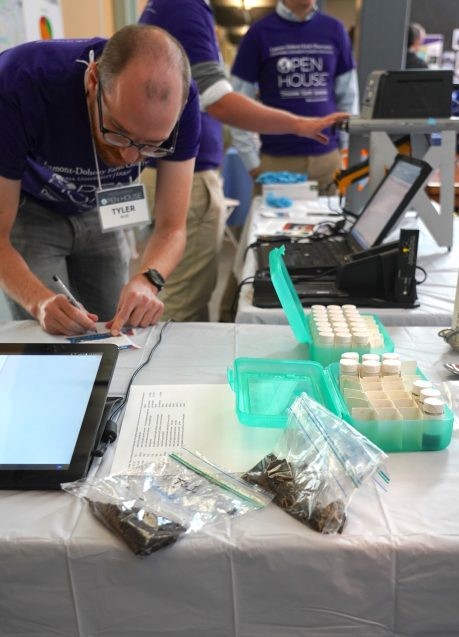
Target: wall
x,y
344,10
87,18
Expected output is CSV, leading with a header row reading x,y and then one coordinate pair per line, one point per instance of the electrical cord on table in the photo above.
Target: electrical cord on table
x,y
418,267
246,281
111,428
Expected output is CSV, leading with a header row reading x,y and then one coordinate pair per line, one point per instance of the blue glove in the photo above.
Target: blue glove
x,y
283,177
278,202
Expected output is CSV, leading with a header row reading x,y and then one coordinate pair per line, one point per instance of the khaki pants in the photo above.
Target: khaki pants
x,y
189,288
320,168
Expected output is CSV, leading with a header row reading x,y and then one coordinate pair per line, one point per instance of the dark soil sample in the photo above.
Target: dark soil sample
x,y
297,489
143,531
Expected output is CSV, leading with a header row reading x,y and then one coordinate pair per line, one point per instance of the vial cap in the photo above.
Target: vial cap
x,y
348,366
391,366
370,357
352,355
429,392
419,385
434,406
343,338
360,338
370,368
390,356
326,337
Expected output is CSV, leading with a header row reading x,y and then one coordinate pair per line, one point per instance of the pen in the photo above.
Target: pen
x,y
323,214
64,289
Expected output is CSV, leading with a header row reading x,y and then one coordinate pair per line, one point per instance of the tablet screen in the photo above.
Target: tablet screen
x,y
51,401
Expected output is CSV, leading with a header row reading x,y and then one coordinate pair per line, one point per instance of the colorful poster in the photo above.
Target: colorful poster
x,y
12,30
42,19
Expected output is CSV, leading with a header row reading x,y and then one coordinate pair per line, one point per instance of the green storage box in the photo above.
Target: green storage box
x,y
426,434
265,388
300,322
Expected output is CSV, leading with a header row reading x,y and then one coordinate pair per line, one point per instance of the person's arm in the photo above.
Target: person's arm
x,y
347,99
139,304
240,110
54,312
237,110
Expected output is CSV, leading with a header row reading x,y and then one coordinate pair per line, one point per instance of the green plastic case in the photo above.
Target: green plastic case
x,y
265,388
300,322
397,435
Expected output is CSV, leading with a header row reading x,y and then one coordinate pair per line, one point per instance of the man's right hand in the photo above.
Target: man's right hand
x,y
57,315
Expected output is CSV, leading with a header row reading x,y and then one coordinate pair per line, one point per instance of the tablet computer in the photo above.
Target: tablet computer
x,y
52,398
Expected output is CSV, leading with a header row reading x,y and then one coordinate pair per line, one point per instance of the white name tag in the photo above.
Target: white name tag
x,y
122,207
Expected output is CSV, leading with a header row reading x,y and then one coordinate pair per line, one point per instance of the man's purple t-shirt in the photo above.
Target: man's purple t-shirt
x,y
191,22
295,65
45,135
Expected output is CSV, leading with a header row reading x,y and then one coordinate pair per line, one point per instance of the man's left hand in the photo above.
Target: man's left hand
x,y
138,306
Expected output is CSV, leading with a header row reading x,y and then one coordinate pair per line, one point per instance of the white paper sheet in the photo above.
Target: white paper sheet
x,y
162,418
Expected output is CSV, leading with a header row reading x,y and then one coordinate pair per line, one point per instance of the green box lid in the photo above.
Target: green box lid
x,y
288,296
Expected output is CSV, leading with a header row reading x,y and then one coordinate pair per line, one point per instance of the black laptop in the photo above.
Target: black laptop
x,y
386,205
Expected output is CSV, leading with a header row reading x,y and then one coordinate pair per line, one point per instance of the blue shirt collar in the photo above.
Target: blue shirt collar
x,y
285,13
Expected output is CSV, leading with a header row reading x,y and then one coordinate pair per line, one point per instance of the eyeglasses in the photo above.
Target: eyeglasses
x,y
123,141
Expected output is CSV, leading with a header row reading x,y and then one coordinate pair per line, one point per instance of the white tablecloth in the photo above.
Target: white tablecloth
x,y
436,294
393,571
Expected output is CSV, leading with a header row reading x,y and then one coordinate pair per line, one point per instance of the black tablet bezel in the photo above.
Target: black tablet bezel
x,y
425,170
34,478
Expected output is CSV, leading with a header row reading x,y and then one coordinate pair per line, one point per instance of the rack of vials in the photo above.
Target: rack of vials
x,y
335,329
391,402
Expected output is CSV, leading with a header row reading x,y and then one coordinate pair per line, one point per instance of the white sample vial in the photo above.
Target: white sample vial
x,y
339,325
370,357
343,339
360,338
321,324
391,367
352,355
325,337
357,324
433,407
419,385
348,367
390,356
370,367
428,392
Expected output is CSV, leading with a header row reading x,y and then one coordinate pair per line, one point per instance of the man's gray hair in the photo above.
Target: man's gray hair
x,y
416,33
148,42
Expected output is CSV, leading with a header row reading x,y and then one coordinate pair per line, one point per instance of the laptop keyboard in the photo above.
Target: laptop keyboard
x,y
322,254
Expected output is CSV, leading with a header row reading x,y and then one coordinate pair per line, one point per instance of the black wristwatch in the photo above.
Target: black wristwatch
x,y
156,278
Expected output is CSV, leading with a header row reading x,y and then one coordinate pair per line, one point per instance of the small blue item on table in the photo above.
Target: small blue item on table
x,y
281,177
278,202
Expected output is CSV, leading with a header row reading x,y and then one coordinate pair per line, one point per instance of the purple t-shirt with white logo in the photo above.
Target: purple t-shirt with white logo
x,y
295,65
191,22
45,135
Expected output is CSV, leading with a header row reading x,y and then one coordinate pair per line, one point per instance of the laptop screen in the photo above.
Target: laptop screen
x,y
388,202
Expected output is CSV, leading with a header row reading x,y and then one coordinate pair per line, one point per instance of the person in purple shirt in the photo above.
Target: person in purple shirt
x,y
188,290
300,60
79,117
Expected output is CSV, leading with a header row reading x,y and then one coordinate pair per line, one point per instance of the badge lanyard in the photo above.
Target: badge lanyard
x,y
123,206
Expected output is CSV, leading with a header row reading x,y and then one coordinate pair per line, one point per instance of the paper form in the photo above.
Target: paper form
x,y
162,418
